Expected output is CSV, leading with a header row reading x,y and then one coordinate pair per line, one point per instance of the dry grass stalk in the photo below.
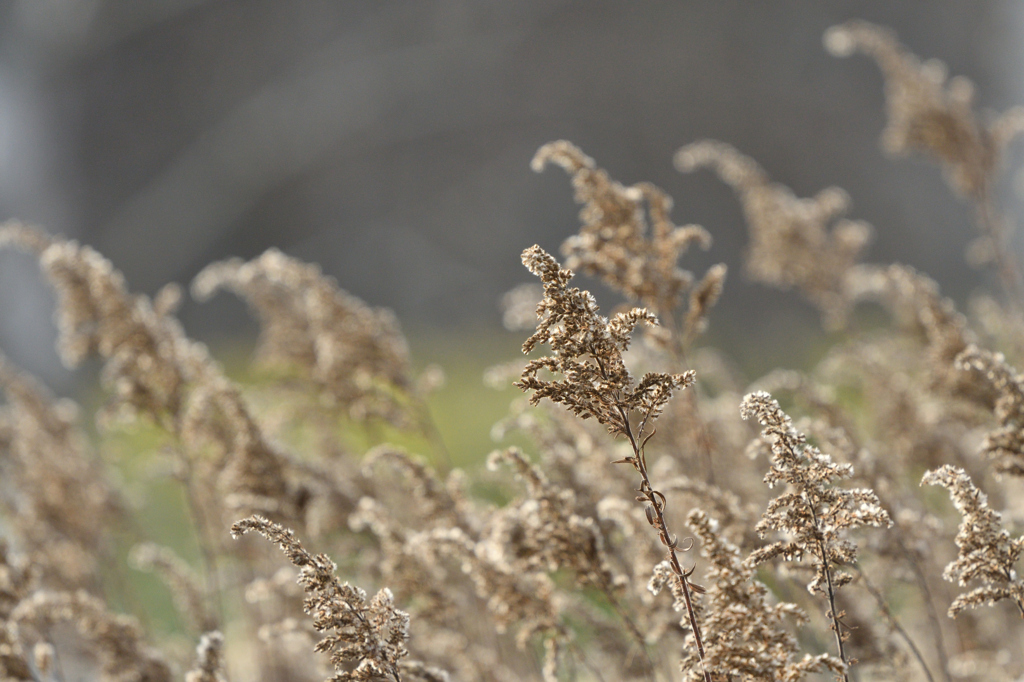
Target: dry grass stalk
x,y
794,243
812,513
987,552
369,634
587,351
547,576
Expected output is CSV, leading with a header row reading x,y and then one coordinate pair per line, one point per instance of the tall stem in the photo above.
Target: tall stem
x,y
895,624
656,500
836,625
1003,253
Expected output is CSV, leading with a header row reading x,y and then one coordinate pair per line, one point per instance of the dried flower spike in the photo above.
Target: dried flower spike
x,y
987,553
356,355
587,351
928,113
371,635
1004,446
933,116
804,244
812,512
751,641
614,243
209,659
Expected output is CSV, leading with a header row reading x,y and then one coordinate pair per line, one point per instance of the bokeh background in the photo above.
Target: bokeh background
x,y
390,142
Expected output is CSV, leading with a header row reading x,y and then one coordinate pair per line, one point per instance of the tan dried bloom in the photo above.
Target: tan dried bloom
x,y
614,243
355,354
545,532
209,659
153,369
928,113
56,491
439,501
794,243
916,303
523,600
703,297
18,577
987,553
750,642
115,640
366,640
812,513
587,351
1004,446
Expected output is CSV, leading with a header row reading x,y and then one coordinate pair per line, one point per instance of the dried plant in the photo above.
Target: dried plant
x,y
587,351
987,553
751,643
189,597
540,566
209,666
1004,446
116,640
794,243
613,242
934,116
54,489
928,113
369,634
154,370
356,355
813,514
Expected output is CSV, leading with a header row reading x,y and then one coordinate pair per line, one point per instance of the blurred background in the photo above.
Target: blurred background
x,y
390,142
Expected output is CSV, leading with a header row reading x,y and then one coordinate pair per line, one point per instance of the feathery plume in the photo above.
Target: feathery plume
x,y
987,553
1003,446
804,244
366,639
613,243
812,512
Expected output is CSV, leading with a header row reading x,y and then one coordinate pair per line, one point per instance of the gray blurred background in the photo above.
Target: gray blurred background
x,y
390,141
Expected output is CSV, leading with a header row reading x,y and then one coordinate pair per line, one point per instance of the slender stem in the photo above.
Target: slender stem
x,y
204,538
678,347
895,624
656,500
633,630
1003,254
836,625
430,430
933,616
652,496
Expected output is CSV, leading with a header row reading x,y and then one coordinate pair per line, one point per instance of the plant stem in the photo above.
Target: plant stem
x,y
895,624
1003,254
836,625
656,500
